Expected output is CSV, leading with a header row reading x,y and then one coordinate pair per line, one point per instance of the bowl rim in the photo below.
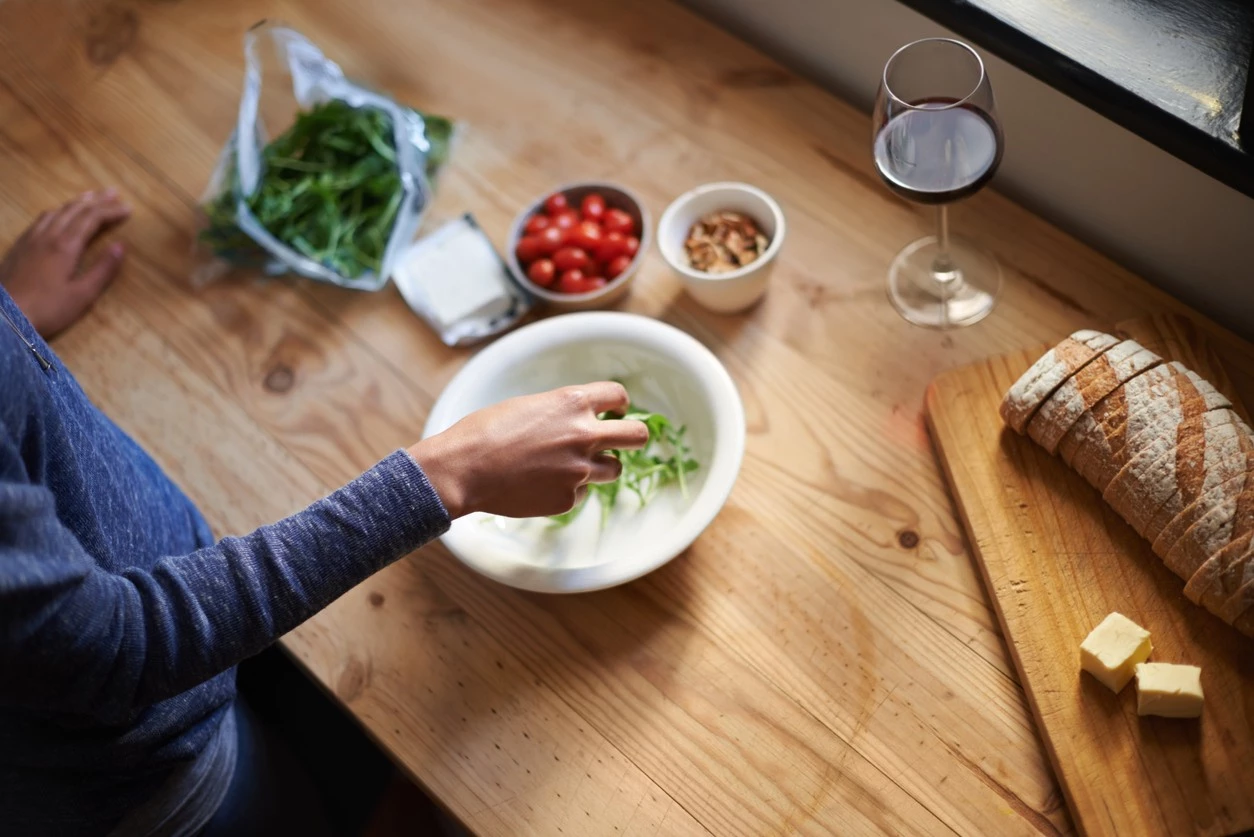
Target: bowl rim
x,y
724,465
772,249
515,233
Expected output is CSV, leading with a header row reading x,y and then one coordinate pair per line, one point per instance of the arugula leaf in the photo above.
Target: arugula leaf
x,y
664,460
329,188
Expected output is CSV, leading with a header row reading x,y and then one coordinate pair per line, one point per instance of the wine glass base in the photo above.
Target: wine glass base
x,y
960,296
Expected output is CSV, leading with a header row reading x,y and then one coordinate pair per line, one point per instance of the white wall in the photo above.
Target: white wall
x,y
1181,229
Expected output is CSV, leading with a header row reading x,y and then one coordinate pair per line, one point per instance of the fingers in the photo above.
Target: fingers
x,y
93,219
606,396
42,223
82,219
96,277
63,216
621,435
605,468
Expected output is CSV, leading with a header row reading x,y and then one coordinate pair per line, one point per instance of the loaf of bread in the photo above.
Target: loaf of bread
x,y
1165,449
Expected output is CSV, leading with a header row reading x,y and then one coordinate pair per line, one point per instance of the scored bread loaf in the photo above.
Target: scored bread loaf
x,y
1048,373
1200,465
1097,445
1151,432
1093,382
1099,436
1212,431
1216,583
1165,449
1222,583
1163,473
1229,514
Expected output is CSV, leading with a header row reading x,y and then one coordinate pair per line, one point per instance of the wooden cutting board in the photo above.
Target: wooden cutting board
x,y
1057,560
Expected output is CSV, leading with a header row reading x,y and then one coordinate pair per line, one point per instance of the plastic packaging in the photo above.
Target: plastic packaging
x,y
286,74
456,281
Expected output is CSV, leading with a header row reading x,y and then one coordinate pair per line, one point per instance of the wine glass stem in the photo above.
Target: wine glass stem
x,y
942,266
943,269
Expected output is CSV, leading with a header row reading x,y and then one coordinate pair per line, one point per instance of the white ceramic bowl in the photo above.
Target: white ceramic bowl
x,y
735,290
666,371
614,290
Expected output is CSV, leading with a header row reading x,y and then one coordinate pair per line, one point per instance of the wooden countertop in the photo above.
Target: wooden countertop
x,y
823,660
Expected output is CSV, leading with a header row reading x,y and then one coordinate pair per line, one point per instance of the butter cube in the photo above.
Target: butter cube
x,y
1168,690
1112,650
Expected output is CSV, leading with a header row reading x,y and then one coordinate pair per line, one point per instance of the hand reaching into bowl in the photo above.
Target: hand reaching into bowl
x,y
531,456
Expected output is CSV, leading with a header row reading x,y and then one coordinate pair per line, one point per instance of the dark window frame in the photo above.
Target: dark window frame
x,y
1123,62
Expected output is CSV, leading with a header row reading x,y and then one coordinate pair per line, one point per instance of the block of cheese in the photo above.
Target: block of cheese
x,y
1168,690
1113,649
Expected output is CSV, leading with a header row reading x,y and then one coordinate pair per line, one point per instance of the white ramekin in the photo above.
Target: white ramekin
x,y
735,290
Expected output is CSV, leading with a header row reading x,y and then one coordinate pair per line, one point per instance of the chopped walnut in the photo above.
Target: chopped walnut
x,y
724,241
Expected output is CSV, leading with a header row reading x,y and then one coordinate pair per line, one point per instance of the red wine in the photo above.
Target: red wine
x,y
938,154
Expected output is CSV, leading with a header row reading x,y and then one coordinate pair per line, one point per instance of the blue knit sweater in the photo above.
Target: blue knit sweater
x,y
120,621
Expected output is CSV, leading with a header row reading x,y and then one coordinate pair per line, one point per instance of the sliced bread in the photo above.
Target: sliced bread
x,y
1213,530
1048,373
1218,429
1148,478
1087,387
1216,582
1097,439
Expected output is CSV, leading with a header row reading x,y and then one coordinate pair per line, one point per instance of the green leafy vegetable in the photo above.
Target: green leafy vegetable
x,y
664,460
330,189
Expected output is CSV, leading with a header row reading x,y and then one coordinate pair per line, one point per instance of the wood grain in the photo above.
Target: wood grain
x,y
1058,560
823,660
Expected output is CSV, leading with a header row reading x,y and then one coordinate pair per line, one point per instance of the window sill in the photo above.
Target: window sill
x,y
1172,71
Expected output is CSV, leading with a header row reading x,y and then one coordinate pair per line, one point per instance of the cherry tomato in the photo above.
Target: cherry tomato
x,y
616,220
536,223
633,246
612,244
573,282
530,248
555,203
586,235
593,207
616,266
566,219
550,238
571,258
542,272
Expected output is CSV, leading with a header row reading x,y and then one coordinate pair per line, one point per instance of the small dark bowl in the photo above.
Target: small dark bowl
x,y
616,197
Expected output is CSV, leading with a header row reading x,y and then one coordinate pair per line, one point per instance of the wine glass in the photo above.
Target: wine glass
x,y
936,139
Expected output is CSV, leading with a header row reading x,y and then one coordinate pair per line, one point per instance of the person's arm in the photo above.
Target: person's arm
x,y
76,638
79,639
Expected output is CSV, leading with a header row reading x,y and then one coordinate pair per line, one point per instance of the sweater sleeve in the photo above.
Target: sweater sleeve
x,y
76,638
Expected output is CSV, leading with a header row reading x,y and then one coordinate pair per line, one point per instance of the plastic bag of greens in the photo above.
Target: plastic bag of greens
x,y
321,177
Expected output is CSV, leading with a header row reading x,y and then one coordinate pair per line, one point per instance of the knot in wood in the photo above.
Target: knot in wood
x,y
280,378
353,679
110,31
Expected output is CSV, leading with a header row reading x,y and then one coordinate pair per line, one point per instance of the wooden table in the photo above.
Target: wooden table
x,y
823,660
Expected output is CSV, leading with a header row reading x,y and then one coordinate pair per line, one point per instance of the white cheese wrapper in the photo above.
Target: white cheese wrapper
x,y
455,280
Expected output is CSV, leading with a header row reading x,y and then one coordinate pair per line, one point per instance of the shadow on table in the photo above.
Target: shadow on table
x,y
563,646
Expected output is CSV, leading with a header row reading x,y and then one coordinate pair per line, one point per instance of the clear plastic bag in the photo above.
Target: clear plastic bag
x,y
291,85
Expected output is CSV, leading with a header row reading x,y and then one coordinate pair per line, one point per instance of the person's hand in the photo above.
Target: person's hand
x,y
43,270
530,456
